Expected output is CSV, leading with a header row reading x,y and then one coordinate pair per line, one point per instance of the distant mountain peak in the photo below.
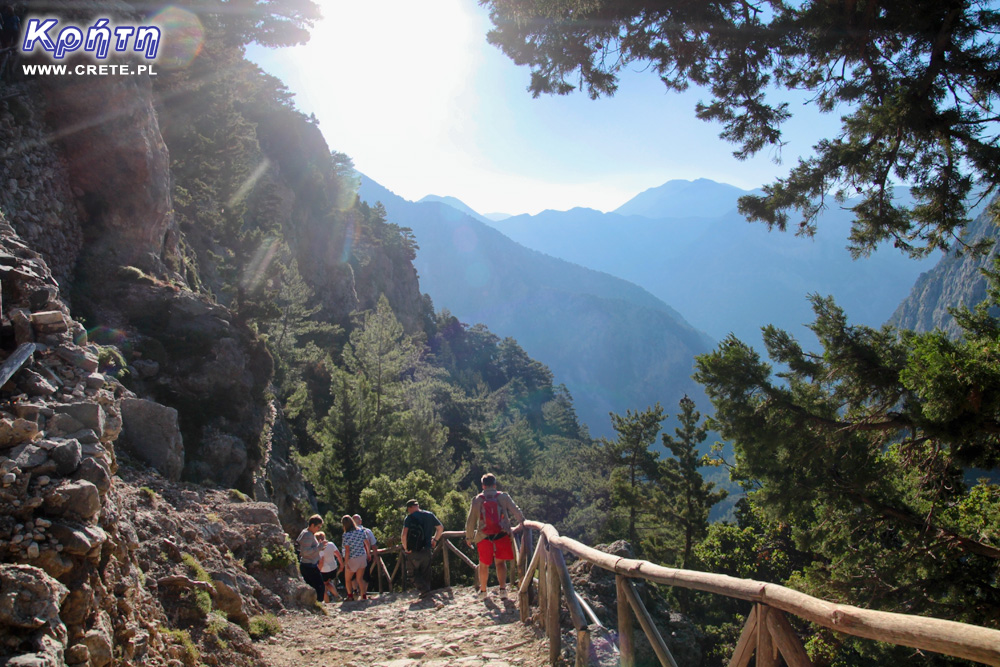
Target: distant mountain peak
x,y
678,198
456,204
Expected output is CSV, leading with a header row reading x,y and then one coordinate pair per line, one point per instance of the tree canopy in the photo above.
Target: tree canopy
x,y
917,82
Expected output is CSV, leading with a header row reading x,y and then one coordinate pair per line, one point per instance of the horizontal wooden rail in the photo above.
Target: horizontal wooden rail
x,y
930,634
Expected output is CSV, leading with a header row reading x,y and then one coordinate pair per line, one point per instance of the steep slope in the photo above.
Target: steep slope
x,y
613,344
956,280
724,274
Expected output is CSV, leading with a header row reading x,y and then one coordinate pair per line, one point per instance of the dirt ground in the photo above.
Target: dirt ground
x,y
451,628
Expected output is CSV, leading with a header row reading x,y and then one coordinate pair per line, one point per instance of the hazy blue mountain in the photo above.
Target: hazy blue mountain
x,y
496,217
700,198
723,273
458,205
953,282
613,344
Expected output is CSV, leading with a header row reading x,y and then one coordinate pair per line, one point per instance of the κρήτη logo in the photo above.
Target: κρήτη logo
x,y
97,39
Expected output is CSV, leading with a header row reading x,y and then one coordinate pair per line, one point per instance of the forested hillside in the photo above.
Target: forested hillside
x,y
613,344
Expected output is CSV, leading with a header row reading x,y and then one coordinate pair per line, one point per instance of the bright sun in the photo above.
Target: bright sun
x,y
369,61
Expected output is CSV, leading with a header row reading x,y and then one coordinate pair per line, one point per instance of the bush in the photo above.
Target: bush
x,y
262,627
277,558
197,571
239,496
192,656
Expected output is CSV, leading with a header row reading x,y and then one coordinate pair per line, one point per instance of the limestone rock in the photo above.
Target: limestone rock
x,y
93,471
99,641
14,432
30,600
34,384
67,456
80,497
152,433
228,599
89,415
255,513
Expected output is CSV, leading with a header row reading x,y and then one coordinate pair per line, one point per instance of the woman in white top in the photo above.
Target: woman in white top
x,y
330,565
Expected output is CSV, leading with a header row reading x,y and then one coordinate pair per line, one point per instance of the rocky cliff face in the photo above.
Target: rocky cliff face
x,y
955,281
91,186
101,561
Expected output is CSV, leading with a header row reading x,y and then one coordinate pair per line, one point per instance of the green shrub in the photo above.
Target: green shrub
x,y
239,496
194,565
217,622
262,627
148,492
192,657
277,558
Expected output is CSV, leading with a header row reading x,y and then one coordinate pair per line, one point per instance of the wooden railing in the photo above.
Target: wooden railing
x,y
767,632
386,580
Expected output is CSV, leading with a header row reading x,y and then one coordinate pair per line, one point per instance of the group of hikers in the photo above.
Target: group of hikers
x,y
488,528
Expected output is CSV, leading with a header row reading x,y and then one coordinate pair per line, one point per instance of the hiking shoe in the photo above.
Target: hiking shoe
x,y
502,591
481,594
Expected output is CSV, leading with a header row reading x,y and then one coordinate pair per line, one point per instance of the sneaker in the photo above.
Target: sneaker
x,y
481,595
350,597
502,591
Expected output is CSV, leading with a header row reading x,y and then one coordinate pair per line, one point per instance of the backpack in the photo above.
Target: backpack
x,y
491,515
415,538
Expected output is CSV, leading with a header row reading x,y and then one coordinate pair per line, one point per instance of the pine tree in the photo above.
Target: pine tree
x,y
689,498
633,464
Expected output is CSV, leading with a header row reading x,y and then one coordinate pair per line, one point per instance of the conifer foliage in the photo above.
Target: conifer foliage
x,y
916,81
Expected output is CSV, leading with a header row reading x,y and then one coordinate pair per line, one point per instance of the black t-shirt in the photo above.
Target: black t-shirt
x,y
427,522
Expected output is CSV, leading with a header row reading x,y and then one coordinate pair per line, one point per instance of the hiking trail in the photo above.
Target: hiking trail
x,y
451,628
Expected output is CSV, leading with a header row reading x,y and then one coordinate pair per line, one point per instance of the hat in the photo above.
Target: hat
x,y
412,503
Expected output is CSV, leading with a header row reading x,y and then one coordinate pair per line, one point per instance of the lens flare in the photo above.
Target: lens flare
x,y
182,37
106,336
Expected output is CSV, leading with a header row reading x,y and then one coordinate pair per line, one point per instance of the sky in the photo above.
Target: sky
x,y
412,92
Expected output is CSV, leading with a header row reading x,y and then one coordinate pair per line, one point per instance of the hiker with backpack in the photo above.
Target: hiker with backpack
x,y
421,533
489,528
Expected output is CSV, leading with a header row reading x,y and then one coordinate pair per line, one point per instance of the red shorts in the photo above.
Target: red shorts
x,y
501,549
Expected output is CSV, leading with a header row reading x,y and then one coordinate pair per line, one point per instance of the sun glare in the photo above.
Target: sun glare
x,y
385,75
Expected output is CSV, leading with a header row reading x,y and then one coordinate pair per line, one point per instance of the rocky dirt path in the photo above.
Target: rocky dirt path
x,y
452,628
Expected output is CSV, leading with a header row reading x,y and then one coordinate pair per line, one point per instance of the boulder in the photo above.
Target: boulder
x,y
30,599
96,472
77,539
99,642
29,456
255,513
228,599
34,384
80,497
151,432
67,456
89,415
17,431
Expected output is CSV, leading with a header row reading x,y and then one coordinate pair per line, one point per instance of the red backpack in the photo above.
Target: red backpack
x,y
490,513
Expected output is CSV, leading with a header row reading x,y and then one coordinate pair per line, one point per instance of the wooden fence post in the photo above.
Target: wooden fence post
x,y
646,621
447,568
626,634
552,601
543,585
765,647
747,642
